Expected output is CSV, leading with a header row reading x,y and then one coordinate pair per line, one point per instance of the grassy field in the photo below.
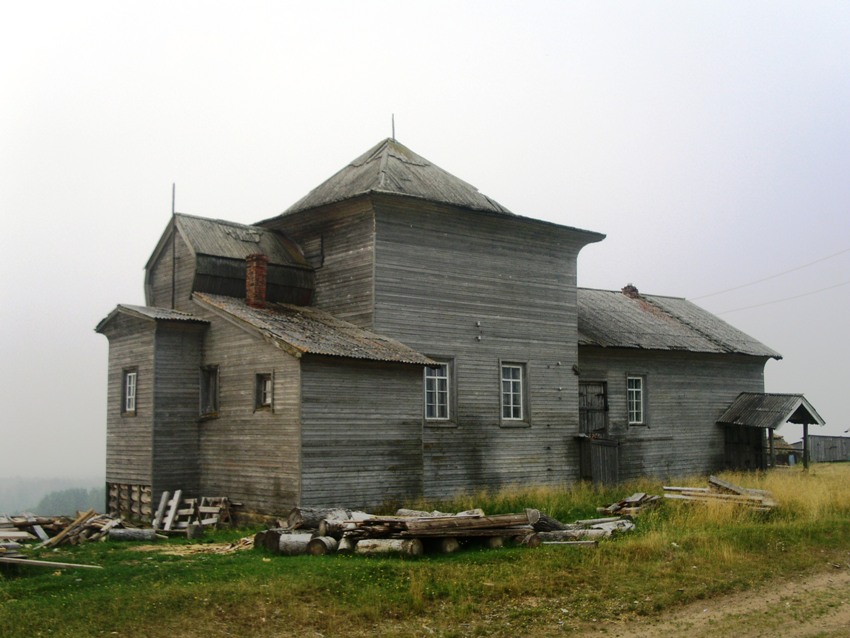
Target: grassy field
x,y
679,553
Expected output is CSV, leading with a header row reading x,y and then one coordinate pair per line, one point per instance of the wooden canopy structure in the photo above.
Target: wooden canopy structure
x,y
768,412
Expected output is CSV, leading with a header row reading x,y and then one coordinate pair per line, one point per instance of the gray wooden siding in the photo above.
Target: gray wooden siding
x,y
129,438
685,394
828,449
158,290
251,456
338,241
177,383
484,289
361,432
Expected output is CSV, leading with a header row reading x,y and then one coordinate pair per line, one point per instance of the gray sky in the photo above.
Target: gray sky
x,y
709,140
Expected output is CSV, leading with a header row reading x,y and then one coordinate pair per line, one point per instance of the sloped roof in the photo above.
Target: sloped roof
x,y
151,313
302,330
229,240
612,319
392,168
758,410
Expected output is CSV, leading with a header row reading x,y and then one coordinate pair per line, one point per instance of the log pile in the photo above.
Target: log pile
x,y
632,505
719,490
584,532
320,532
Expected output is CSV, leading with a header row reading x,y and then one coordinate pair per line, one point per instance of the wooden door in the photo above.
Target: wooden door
x,y
593,408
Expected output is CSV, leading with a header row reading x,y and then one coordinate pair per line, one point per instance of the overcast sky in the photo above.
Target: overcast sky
x,y
710,142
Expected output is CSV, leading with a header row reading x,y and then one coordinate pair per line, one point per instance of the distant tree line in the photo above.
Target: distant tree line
x,y
75,499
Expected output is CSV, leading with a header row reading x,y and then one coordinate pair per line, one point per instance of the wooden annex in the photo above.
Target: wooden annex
x,y
397,334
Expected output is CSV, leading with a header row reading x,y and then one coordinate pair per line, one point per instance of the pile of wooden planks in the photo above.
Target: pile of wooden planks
x,y
338,530
176,514
582,532
719,490
632,505
60,530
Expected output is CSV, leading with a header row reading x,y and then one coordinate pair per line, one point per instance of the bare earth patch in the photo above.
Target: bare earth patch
x,y
813,606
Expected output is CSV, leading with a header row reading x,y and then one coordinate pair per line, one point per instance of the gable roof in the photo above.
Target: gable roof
x,y
613,319
390,167
759,410
301,330
229,240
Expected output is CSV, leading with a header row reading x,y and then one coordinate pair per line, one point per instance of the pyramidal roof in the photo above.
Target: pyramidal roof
x,y
391,168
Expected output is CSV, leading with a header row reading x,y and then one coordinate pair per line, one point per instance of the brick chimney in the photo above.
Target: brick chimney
x,y
630,290
255,280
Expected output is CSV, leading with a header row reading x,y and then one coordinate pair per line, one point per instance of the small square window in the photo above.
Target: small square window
x,y
128,391
263,391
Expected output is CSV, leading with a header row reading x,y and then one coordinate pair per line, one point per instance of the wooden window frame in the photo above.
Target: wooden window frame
x,y
209,392
523,420
263,398
129,399
450,408
636,413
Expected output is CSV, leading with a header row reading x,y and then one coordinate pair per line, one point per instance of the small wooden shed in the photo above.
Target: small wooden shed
x,y
750,421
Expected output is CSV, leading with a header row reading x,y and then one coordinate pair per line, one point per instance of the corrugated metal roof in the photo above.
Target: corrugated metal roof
x,y
759,410
150,312
313,331
236,241
612,319
390,167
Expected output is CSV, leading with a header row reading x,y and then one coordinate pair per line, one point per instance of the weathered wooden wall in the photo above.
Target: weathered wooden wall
x,y
828,449
338,241
482,289
176,407
361,432
159,279
251,456
129,437
685,393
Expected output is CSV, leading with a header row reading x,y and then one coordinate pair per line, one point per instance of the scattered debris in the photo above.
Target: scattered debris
x,y
631,506
189,516
719,490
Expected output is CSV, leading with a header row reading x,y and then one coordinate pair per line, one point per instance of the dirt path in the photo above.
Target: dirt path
x,y
815,606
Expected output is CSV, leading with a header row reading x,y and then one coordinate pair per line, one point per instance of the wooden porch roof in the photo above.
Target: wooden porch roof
x,y
769,411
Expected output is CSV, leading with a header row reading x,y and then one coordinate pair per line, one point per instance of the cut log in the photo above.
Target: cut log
x,y
346,545
572,534
321,545
311,518
444,545
117,534
406,546
529,517
547,524
294,544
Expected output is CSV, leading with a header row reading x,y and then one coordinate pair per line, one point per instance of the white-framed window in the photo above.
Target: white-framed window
x,y
513,389
209,391
263,392
636,399
437,392
128,390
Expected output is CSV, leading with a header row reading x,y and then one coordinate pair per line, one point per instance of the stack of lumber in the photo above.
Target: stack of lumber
x,y
29,527
176,514
632,505
719,490
59,530
339,530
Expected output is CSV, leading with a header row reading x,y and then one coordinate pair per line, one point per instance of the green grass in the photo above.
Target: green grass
x,y
679,553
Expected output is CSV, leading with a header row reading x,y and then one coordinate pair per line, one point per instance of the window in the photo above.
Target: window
x,y
209,391
636,400
128,391
263,391
512,391
437,392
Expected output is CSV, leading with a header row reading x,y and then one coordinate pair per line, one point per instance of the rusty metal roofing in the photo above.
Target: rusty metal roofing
x,y
392,168
302,330
612,319
220,238
152,313
759,410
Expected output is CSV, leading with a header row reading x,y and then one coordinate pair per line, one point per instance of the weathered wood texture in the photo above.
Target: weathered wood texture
x,y
338,241
481,289
129,437
251,455
361,432
684,395
174,452
158,281
828,449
